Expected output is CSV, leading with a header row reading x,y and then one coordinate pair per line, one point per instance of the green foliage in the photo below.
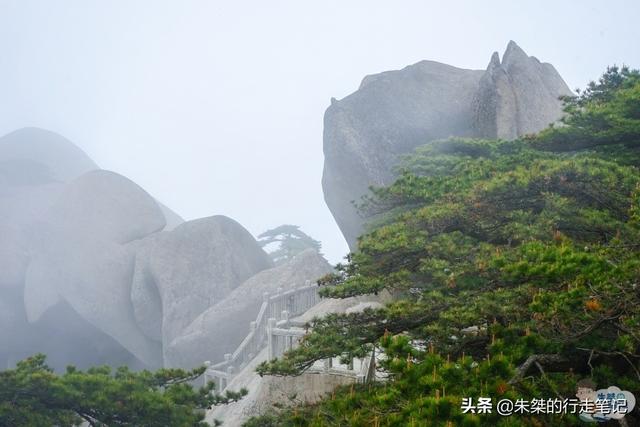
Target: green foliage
x,y
498,254
33,395
606,113
290,240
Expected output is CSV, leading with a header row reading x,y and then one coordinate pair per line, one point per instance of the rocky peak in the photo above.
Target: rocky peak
x,y
494,63
514,54
395,111
517,96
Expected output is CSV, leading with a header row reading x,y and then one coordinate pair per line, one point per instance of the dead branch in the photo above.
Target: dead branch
x,y
552,362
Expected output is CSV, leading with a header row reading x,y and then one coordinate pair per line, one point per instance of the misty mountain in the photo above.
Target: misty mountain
x,y
395,111
94,270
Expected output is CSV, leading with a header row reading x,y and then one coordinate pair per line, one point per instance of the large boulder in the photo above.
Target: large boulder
x,y
93,278
21,206
223,326
106,206
34,164
172,219
77,256
13,257
47,155
181,273
395,111
38,169
69,236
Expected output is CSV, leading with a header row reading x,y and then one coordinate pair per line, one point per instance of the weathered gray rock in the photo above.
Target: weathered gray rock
x,y
395,111
223,326
264,392
172,219
20,207
77,256
47,155
33,165
69,233
94,277
13,257
106,206
61,220
183,272
390,114
10,314
518,96
343,305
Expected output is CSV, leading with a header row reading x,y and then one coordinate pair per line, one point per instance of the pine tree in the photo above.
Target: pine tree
x,y
517,262
32,395
289,240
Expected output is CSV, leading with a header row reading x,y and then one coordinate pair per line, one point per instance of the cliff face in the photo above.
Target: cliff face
x,y
395,111
93,269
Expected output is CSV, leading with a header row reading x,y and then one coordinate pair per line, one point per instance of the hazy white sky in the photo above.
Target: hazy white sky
x,y
216,107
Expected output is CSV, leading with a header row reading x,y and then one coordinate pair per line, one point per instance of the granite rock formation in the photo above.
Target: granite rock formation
x,y
223,326
180,274
93,269
395,111
42,156
517,96
77,256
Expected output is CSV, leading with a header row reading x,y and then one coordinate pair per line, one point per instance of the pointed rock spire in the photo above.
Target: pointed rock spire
x,y
395,111
513,54
494,62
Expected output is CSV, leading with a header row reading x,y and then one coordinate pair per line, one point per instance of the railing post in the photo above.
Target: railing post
x,y
284,305
371,372
291,300
271,323
205,377
265,298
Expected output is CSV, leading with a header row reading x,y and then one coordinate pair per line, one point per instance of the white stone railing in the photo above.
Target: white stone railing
x,y
280,306
285,335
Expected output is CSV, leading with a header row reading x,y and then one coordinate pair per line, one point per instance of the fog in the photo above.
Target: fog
x,y
217,107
